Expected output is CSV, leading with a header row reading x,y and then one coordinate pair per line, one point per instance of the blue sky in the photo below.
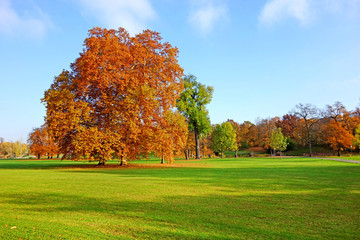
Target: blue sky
x,y
262,57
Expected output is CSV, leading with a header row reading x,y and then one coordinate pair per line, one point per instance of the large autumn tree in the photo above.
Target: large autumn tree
x,y
117,98
192,104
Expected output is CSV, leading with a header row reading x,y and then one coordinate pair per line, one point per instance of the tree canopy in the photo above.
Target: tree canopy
x,y
223,138
277,140
117,98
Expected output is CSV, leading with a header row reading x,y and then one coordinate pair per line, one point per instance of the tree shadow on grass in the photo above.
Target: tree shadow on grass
x,y
39,164
340,178
207,216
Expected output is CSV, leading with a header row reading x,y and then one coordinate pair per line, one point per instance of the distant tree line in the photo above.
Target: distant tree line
x,y
333,127
12,149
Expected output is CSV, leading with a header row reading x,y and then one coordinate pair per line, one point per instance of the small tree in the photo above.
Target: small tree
x,y
224,138
357,136
277,140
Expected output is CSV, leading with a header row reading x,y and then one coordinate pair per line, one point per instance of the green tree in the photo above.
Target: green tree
x,y
357,136
277,140
192,104
224,138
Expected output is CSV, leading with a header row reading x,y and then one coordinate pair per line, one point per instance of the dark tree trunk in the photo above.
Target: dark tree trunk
x,y
197,144
57,156
38,156
310,153
162,159
235,153
101,163
123,161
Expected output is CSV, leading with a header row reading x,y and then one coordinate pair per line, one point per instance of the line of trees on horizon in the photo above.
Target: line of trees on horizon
x,y
12,149
333,127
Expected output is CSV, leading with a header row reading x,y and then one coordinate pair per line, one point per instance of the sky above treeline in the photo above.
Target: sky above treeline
x,y
262,57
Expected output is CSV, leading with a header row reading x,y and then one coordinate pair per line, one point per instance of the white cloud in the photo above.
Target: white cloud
x,y
34,24
278,10
206,14
305,11
129,14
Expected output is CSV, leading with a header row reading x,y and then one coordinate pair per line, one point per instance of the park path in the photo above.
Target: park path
x,y
338,159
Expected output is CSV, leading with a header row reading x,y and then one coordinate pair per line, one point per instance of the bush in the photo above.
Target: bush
x,y
290,144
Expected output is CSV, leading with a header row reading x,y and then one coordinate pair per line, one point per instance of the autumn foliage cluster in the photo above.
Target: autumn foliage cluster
x,y
334,127
118,100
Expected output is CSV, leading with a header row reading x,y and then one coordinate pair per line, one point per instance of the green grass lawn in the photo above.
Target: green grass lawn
x,y
246,198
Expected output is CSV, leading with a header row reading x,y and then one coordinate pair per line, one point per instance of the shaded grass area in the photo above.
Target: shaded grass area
x,y
247,198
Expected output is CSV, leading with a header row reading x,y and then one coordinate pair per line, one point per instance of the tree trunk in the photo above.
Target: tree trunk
x,y
186,154
162,159
222,154
101,162
235,153
38,156
197,144
310,153
58,156
122,161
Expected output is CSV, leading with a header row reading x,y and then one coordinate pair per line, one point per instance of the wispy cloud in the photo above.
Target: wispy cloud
x,y
206,13
34,23
132,15
304,11
278,10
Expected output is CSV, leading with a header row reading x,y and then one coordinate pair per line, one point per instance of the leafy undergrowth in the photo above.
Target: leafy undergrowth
x,y
247,198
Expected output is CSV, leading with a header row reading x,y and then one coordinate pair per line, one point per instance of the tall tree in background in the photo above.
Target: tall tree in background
x,y
192,104
223,138
340,127
310,116
117,97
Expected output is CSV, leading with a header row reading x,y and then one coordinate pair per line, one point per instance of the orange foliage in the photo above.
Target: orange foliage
x,y
338,137
118,97
40,143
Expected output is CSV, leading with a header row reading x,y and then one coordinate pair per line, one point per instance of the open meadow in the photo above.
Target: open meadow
x,y
243,198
